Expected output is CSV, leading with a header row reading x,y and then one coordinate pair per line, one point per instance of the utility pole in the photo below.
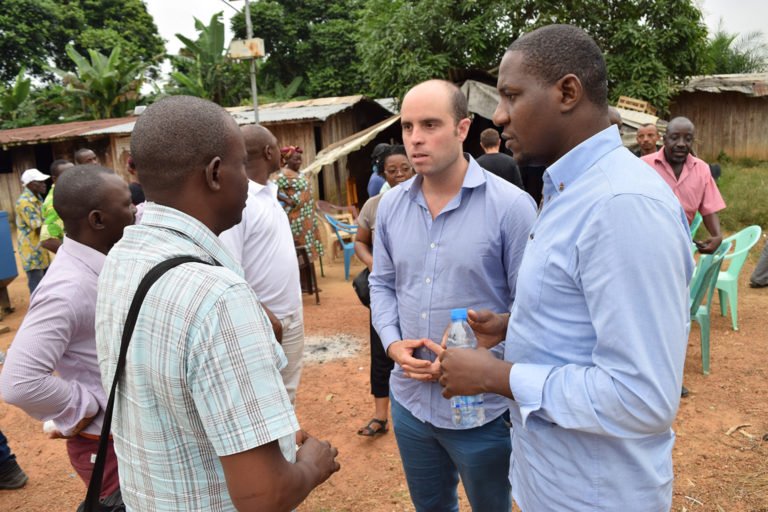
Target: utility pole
x,y
249,35
250,48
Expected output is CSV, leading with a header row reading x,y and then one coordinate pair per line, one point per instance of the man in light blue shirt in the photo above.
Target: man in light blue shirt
x,y
596,340
451,237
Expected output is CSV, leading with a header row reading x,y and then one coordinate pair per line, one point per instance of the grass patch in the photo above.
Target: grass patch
x,y
744,186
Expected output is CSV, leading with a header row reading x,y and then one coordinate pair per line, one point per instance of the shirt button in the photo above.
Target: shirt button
x,y
530,236
423,315
427,280
433,245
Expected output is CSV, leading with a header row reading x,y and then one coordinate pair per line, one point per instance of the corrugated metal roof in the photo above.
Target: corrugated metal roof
x,y
346,146
318,109
55,132
751,84
308,110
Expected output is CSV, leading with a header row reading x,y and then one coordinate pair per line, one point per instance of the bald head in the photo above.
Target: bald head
x,y
458,102
680,122
263,152
176,137
614,116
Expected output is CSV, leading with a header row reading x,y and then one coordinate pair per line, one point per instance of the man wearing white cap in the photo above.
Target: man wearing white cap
x,y
29,220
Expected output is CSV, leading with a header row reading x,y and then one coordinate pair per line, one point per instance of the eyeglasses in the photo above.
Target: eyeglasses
x,y
405,169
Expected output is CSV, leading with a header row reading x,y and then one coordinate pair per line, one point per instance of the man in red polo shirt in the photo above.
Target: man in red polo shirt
x,y
690,179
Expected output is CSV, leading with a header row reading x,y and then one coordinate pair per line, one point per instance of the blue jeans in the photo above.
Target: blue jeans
x,y
34,277
433,458
5,450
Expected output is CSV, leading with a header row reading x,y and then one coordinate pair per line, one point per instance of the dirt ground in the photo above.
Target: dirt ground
x,y
718,467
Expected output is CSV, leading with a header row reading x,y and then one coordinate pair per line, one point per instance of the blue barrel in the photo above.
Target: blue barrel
x,y
8,270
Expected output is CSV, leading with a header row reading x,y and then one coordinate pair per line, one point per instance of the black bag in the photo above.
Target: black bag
x,y
114,502
360,284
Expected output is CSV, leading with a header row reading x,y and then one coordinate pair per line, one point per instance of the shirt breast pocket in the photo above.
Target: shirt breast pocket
x,y
532,274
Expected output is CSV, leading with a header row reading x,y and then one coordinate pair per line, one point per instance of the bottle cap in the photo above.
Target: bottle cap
x,y
458,314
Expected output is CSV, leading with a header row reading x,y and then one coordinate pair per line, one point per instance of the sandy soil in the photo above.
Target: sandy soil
x,y
717,467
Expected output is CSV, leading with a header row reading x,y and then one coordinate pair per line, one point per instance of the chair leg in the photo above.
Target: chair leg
x,y
723,296
704,324
322,272
347,261
313,279
733,301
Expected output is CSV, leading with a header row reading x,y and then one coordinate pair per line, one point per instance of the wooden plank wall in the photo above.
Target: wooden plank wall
x,y
10,183
336,128
730,122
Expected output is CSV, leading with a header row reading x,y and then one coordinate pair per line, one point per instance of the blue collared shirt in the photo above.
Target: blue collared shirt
x,y
467,256
598,335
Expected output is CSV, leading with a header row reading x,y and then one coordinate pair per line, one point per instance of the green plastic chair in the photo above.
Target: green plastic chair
x,y
702,289
728,280
695,223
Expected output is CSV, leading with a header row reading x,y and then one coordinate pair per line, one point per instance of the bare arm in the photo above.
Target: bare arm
x,y
51,244
277,327
261,479
364,246
712,223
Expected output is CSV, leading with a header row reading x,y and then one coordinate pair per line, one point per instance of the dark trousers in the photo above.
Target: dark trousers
x,y
760,275
5,450
381,366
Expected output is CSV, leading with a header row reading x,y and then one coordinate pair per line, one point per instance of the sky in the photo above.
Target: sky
x,y
176,16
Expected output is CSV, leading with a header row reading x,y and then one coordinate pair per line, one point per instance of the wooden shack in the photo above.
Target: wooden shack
x,y
311,124
39,146
730,113
316,124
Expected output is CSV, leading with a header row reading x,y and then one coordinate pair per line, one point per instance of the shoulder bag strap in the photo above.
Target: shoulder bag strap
x,y
94,488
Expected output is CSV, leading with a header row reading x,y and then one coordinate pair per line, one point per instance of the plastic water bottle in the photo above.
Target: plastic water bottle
x,y
468,411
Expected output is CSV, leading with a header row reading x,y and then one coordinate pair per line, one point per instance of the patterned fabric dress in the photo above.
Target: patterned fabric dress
x,y
29,219
302,214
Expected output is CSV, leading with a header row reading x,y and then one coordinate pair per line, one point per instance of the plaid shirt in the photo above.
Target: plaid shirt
x,y
202,376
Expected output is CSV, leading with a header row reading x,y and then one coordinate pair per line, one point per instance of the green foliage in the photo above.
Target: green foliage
x,y
650,45
107,86
202,68
34,33
312,39
404,42
731,53
743,185
14,105
285,93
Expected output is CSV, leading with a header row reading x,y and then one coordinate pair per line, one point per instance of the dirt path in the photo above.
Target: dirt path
x,y
713,471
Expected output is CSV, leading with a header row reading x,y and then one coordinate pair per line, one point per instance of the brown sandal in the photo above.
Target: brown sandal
x,y
369,431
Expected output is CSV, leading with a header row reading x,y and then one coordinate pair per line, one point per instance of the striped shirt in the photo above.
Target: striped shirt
x,y
202,374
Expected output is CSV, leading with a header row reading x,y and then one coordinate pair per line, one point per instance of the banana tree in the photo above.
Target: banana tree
x,y
13,98
107,86
202,68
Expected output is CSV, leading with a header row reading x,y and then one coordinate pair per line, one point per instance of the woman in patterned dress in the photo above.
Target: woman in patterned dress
x,y
295,192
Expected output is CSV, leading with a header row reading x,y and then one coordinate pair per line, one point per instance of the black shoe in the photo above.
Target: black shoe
x,y
684,392
755,285
11,475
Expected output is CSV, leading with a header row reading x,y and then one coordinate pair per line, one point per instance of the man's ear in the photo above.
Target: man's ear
x,y
96,220
463,128
213,174
571,92
268,153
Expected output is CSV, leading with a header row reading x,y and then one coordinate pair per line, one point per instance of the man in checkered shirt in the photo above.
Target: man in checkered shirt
x,y
202,419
